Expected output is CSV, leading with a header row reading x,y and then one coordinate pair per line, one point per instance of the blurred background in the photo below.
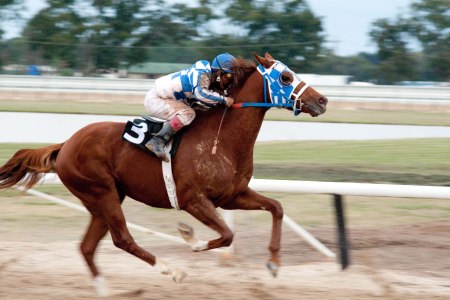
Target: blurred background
x,y
379,62
381,42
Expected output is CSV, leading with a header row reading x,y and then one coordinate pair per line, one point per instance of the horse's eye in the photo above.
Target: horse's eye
x,y
286,78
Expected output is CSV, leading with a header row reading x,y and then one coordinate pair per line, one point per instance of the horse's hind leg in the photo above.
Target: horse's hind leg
x,y
251,200
112,214
96,231
104,203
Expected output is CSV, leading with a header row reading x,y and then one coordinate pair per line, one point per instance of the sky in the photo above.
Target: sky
x,y
346,23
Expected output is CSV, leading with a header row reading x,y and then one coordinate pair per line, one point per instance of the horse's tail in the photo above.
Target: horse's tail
x,y
28,166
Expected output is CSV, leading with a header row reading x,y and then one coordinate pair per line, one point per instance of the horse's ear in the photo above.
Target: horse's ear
x,y
262,60
258,58
268,56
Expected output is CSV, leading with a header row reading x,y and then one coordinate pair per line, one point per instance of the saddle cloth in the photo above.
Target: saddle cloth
x,y
141,130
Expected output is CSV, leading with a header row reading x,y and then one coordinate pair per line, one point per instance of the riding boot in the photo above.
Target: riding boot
x,y
160,140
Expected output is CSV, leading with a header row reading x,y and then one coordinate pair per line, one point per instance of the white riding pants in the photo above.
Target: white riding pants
x,y
159,104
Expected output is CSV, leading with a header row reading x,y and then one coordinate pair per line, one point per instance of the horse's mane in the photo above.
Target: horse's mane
x,y
242,69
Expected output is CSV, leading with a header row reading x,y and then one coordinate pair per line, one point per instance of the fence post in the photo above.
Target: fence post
x,y
342,235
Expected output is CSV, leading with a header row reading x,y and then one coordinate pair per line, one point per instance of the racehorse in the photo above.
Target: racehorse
x,y
101,169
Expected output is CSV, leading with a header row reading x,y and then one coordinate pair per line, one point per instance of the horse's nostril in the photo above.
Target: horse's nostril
x,y
323,101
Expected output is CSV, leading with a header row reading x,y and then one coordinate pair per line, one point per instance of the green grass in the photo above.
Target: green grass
x,y
390,153
370,212
416,161
7,150
71,107
367,116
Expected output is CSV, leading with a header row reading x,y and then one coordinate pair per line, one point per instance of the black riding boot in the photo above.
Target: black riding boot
x,y
160,140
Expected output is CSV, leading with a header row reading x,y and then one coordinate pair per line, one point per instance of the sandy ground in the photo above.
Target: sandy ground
x,y
39,259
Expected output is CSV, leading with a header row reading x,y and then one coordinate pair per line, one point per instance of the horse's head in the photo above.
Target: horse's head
x,y
287,90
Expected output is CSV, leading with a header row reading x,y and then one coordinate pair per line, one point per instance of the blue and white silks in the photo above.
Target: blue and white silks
x,y
192,83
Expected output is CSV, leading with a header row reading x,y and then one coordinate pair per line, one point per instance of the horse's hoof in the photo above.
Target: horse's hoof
x,y
186,231
164,268
199,245
101,287
273,268
178,275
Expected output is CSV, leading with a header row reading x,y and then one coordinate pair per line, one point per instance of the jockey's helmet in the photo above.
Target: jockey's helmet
x,y
223,62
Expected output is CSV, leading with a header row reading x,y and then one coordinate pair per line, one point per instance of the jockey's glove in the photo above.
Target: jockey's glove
x,y
229,101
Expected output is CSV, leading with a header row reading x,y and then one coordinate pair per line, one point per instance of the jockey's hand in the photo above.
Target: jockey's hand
x,y
229,101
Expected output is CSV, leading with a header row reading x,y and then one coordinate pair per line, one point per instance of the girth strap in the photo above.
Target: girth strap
x,y
168,179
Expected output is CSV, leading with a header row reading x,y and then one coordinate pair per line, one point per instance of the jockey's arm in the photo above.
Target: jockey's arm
x,y
204,94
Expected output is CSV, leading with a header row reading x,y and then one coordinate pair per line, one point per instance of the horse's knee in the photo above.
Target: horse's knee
x,y
277,210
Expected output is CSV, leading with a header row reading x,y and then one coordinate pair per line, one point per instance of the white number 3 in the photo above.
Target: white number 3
x,y
140,130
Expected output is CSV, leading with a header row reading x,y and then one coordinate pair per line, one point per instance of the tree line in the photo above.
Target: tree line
x,y
87,35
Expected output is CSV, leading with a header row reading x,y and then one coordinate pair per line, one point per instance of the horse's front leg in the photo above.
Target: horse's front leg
x,y
205,211
251,200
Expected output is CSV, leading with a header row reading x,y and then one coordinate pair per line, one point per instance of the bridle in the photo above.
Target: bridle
x,y
281,95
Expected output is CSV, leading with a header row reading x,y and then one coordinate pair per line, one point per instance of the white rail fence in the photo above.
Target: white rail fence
x,y
350,188
339,189
137,87
301,187
335,188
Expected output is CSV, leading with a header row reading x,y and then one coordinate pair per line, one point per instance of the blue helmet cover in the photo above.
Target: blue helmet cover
x,y
223,62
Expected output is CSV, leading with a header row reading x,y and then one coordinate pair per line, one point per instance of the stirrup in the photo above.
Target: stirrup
x,y
164,157
157,148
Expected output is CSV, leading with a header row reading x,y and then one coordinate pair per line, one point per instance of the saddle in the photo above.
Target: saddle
x,y
141,130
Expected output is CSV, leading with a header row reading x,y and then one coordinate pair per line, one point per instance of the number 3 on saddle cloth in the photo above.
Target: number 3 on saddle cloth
x,y
141,130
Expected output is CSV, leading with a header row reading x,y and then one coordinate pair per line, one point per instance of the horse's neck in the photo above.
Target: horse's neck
x,y
238,131
245,123
248,120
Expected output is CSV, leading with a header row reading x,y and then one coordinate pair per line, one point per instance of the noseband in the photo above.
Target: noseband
x,y
281,95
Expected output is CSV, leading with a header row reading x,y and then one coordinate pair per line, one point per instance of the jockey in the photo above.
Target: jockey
x,y
172,95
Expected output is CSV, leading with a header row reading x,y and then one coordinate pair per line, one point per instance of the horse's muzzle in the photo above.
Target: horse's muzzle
x,y
316,108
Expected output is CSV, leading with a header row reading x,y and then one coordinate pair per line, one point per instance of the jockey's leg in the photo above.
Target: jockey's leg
x,y
167,108
178,115
160,140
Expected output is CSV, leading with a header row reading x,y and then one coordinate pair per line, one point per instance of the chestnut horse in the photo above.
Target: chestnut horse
x,y
98,167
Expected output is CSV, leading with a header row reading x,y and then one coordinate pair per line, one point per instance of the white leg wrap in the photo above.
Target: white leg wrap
x,y
199,245
177,274
162,267
101,287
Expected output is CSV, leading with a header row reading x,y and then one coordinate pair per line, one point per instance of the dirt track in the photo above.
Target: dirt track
x,y
39,259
